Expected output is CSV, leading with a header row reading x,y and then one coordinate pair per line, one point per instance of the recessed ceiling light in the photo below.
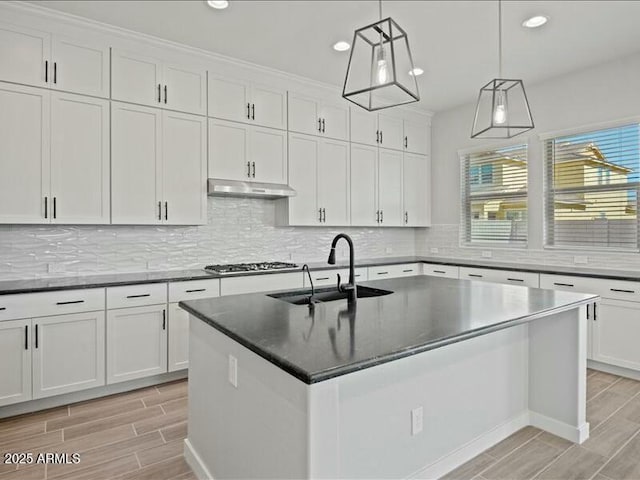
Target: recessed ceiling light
x,y
535,21
218,4
416,72
341,46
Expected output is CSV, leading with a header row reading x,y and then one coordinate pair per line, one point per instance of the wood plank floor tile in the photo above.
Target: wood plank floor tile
x,y
576,464
175,432
91,415
160,471
631,411
470,469
512,442
626,387
179,385
161,421
611,435
186,476
98,403
163,452
602,406
36,417
180,404
557,442
7,467
596,386
165,397
626,464
28,472
29,444
608,377
523,463
123,419
94,440
106,470
17,432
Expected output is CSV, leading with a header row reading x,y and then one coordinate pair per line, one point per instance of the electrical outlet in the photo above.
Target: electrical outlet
x,y
580,259
417,418
388,250
233,371
434,250
487,254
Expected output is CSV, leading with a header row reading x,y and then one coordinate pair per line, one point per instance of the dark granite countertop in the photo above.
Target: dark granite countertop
x,y
423,313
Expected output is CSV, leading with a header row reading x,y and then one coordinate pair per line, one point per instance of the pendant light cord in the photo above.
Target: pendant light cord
x,y
499,38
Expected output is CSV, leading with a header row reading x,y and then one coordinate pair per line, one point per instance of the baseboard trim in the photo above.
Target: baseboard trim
x,y
614,369
90,394
475,447
569,432
195,462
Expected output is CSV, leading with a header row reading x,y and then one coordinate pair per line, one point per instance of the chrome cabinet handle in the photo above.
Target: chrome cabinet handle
x,y
249,111
159,97
159,210
166,210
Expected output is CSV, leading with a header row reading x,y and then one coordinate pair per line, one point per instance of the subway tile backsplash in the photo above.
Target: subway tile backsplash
x,y
238,230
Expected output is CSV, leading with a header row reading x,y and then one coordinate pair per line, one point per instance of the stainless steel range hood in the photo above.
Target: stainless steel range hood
x,y
218,187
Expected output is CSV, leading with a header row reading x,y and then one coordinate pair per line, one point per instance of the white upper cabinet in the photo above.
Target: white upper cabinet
x,y
247,153
241,101
390,132
318,117
24,55
184,168
416,187
364,127
417,137
80,66
24,154
390,188
146,80
333,182
79,159
364,185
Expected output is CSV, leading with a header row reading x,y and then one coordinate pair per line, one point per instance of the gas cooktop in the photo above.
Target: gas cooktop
x,y
250,267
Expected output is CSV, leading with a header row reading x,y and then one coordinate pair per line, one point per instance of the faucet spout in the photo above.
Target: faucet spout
x,y
351,286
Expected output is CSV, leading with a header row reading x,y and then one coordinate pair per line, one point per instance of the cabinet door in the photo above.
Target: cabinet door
x,y
184,89
390,188
333,182
24,154
416,137
268,153
228,150
15,362
136,342
616,330
304,114
68,353
79,159
364,185
269,106
135,78
136,183
24,55
364,127
391,132
229,99
80,67
304,152
336,121
184,168
178,338
416,190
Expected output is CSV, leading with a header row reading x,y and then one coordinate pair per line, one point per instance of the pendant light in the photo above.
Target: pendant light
x,y
502,110
380,65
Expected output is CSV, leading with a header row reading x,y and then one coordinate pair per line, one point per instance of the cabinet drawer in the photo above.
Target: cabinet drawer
x,y
394,271
507,277
44,304
260,283
193,289
606,288
445,271
328,277
136,295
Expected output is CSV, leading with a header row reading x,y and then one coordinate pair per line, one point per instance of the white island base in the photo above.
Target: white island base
x,y
473,394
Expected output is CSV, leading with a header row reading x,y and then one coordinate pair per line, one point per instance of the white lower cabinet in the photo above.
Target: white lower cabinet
x,y
178,353
68,353
260,283
15,361
394,271
136,342
616,331
507,277
445,271
327,278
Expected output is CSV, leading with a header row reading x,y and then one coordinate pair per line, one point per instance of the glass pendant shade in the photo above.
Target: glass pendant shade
x,y
502,110
378,73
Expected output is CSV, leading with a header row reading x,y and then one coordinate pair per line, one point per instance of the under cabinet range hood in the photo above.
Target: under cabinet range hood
x,y
218,187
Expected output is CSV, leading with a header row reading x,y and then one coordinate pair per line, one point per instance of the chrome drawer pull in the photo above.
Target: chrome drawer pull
x,y
139,296
563,284
70,302
196,290
515,279
621,290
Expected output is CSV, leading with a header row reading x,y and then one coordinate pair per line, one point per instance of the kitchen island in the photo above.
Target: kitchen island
x,y
410,384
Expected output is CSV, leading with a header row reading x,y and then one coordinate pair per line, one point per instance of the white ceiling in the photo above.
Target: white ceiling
x,y
455,42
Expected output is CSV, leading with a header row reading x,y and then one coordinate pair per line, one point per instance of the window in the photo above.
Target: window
x,y
494,196
592,189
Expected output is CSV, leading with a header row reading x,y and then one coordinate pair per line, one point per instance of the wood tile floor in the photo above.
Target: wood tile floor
x,y
135,435
139,434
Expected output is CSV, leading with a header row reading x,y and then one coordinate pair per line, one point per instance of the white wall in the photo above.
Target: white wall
x,y
608,92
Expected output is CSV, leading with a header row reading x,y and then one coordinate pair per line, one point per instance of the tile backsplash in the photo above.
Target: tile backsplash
x,y
238,230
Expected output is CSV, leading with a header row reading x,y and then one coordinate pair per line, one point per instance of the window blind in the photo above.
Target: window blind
x,y
592,189
494,196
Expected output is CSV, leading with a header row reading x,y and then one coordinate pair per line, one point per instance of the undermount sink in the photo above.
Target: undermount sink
x,y
301,297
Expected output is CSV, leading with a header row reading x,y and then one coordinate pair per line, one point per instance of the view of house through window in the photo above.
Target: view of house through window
x,y
592,189
495,196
